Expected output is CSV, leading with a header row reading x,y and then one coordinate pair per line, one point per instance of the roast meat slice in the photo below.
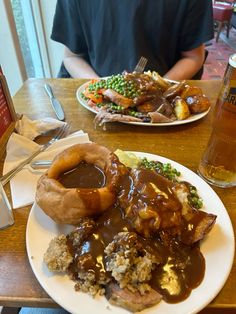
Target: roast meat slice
x,y
157,117
103,117
196,224
131,301
117,98
174,90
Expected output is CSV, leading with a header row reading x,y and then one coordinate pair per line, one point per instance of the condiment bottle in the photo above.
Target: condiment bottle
x,y
218,163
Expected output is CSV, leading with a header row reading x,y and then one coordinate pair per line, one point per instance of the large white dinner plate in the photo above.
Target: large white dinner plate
x,y
217,248
192,118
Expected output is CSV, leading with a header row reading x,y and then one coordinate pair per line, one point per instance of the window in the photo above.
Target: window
x,y
28,50
27,35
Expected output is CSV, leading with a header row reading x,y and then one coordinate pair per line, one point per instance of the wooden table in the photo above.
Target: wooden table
x,y
184,144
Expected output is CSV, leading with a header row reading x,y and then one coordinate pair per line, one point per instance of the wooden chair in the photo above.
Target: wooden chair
x,y
222,14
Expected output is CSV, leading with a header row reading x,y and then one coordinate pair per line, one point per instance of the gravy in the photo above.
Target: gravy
x,y
85,175
181,267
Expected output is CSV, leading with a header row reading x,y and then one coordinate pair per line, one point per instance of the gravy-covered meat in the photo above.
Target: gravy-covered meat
x,y
143,248
130,262
195,223
150,204
143,82
154,203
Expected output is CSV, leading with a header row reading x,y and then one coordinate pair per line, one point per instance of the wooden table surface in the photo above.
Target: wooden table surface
x,y
183,143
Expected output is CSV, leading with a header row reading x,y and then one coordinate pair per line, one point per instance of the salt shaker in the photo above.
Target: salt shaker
x,y
218,163
6,215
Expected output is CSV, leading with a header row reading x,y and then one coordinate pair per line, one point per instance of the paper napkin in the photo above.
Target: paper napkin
x,y
23,185
33,128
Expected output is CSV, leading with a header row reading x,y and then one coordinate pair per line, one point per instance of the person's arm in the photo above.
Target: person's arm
x,y
77,66
189,64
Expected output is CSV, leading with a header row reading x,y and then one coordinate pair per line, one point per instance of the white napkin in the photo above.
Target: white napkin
x,y
33,128
23,184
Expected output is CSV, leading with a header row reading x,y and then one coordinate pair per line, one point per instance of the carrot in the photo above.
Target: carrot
x,y
96,97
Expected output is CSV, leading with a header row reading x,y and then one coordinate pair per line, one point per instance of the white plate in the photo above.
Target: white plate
x,y
217,248
192,118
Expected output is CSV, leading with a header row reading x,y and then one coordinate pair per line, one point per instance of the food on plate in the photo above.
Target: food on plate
x,y
145,246
164,84
197,103
174,90
58,257
82,181
190,91
142,97
128,159
132,301
181,108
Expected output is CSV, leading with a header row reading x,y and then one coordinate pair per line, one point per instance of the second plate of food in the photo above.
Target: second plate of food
x,y
173,110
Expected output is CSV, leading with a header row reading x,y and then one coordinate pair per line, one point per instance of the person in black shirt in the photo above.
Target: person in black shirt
x,y
105,37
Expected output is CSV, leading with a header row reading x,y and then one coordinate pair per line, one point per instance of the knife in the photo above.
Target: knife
x,y
55,103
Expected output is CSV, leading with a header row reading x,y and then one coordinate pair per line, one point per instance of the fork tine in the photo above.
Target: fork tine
x,y
141,60
138,65
141,64
62,132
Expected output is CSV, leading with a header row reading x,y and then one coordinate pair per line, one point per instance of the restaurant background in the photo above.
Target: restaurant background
x,y
43,55
27,50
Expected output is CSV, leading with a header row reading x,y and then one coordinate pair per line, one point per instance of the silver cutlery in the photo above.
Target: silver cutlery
x,y
40,164
62,132
57,107
140,66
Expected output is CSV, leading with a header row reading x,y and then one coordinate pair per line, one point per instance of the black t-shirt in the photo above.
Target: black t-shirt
x,y
113,34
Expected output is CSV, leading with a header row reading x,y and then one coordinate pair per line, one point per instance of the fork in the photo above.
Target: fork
x,y
140,66
62,132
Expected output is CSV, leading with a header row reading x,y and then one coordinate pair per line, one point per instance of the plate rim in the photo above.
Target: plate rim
x,y
191,119
121,310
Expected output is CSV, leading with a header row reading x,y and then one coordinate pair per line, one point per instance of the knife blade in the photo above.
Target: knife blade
x,y
57,107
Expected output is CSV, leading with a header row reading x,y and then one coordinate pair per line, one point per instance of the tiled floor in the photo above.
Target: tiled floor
x,y
218,56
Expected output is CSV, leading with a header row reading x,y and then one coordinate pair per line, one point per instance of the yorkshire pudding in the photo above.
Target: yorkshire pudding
x,y
68,205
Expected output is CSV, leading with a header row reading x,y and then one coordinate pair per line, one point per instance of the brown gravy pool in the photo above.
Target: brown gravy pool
x,y
182,267
85,175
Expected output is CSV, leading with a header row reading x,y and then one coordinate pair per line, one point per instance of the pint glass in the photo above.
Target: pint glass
x,y
218,163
